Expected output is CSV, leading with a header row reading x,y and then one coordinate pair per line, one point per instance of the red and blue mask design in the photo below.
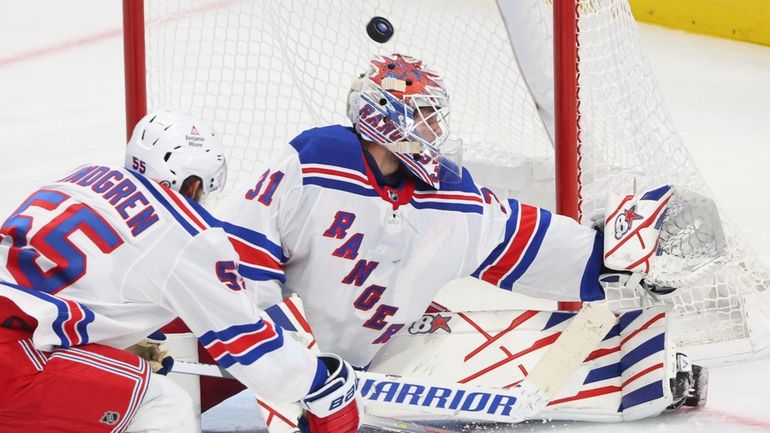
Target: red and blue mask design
x,y
401,104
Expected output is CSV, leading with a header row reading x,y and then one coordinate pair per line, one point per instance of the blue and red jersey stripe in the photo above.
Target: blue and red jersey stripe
x,y
72,319
524,234
242,344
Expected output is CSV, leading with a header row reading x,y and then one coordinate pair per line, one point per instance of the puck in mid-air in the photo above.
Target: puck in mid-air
x,y
379,29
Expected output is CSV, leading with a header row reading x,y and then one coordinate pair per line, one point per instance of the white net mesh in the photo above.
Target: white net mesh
x,y
263,71
628,138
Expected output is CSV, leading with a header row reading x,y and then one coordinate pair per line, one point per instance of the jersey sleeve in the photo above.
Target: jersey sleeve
x,y
535,252
205,290
259,213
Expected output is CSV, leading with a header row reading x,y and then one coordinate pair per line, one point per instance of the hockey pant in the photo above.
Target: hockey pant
x,y
89,388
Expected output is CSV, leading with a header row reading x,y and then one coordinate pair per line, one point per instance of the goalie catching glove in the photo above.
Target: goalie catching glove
x,y
334,407
150,349
669,235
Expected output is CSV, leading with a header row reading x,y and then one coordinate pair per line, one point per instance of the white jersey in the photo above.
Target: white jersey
x,y
107,256
368,260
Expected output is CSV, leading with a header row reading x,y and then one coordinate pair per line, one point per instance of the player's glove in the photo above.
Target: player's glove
x,y
150,349
333,408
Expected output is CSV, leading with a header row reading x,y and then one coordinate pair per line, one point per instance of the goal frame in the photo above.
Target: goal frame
x,y
572,169
566,88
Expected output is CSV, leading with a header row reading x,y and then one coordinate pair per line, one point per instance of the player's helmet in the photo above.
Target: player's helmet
x,y
402,104
179,151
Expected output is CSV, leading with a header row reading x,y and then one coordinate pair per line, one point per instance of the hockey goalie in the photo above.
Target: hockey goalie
x,y
632,373
367,223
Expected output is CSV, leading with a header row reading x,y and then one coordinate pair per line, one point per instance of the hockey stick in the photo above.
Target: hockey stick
x,y
455,400
442,399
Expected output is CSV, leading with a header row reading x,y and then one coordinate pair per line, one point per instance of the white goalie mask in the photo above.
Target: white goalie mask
x,y
402,104
179,151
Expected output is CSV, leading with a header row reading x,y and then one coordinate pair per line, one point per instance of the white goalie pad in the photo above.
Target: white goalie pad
x,y
625,378
424,397
669,234
503,366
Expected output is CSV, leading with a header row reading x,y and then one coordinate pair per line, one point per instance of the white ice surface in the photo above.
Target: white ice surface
x,y
61,104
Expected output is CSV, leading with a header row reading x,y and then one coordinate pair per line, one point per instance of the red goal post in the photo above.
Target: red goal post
x,y
557,106
566,126
133,63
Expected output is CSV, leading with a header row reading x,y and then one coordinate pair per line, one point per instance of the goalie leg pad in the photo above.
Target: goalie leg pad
x,y
625,378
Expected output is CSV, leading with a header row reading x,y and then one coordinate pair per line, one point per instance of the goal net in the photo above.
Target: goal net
x,y
263,71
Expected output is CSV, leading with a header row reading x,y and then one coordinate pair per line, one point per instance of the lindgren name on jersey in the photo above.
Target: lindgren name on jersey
x,y
418,395
120,192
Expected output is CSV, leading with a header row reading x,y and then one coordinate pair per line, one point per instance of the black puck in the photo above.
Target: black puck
x,y
379,29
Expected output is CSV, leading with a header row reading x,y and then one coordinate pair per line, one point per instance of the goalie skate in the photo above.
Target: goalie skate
x,y
690,386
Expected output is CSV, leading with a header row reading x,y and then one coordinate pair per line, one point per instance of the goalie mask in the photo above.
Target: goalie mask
x,y
179,151
401,104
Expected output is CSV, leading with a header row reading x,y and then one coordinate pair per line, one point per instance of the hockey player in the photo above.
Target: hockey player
x,y
373,220
101,258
